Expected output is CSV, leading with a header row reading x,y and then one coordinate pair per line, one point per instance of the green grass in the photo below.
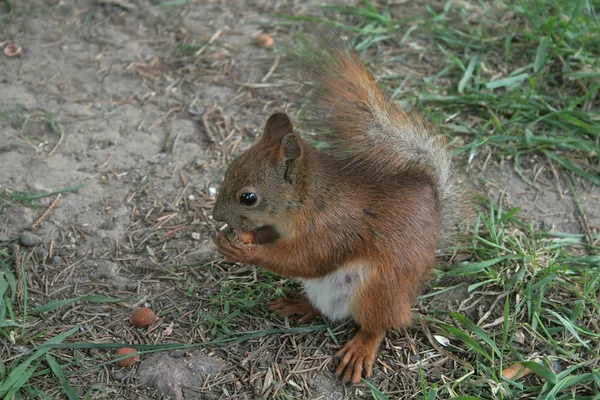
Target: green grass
x,y
517,78
545,290
45,358
11,198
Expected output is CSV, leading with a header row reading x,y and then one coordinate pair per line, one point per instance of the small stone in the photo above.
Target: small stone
x,y
191,197
18,217
205,252
131,286
28,239
56,260
40,254
195,236
170,375
170,207
4,238
118,375
119,282
106,269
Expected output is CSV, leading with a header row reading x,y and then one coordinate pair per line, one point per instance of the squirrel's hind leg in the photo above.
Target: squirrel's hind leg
x,y
382,303
294,303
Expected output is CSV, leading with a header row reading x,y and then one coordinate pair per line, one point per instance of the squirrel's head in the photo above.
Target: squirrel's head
x,y
265,182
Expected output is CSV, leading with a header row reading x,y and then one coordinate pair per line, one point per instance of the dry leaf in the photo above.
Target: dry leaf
x,y
444,341
268,380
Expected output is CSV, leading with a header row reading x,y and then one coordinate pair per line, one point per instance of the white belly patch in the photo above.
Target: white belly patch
x,y
332,295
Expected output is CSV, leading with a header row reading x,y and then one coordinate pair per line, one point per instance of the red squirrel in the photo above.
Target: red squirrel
x,y
356,220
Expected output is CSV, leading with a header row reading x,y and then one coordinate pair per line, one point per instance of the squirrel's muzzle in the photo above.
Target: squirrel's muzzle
x,y
218,214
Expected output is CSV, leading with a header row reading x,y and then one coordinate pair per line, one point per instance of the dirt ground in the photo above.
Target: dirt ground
x,y
144,106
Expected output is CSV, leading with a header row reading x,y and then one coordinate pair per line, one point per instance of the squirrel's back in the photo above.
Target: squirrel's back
x,y
357,125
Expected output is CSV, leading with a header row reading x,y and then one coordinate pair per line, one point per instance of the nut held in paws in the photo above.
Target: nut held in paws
x,y
246,237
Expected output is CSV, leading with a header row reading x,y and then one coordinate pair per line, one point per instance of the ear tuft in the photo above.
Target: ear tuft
x,y
278,125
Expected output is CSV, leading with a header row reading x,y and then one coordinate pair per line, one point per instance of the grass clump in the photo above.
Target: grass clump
x,y
532,298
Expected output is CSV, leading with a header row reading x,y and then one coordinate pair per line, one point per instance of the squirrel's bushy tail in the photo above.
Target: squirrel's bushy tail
x,y
359,126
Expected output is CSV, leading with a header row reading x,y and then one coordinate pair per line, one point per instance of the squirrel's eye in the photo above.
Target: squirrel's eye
x,y
248,199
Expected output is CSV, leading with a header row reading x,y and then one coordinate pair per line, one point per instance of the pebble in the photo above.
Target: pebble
x,y
120,282
170,207
4,238
131,286
195,236
205,252
18,217
106,269
118,375
28,239
56,260
170,375
41,254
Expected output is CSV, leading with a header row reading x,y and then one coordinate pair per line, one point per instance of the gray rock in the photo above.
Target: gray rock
x,y
56,260
106,269
4,238
131,286
326,386
119,282
170,207
206,252
41,254
18,217
28,239
118,375
170,375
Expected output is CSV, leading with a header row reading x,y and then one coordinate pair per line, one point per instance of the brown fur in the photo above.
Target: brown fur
x,y
375,196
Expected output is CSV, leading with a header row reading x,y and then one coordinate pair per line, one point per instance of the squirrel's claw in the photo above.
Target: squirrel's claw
x,y
357,356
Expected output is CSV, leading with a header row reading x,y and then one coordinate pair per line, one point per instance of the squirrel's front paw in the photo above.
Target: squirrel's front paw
x,y
232,249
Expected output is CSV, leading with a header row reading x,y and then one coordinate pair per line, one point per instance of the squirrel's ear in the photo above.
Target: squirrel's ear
x,y
290,147
287,148
290,152
278,125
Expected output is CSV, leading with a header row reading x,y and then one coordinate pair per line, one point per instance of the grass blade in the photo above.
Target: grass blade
x,y
376,393
573,168
540,55
468,72
55,304
477,331
507,82
58,372
540,370
466,339
18,376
